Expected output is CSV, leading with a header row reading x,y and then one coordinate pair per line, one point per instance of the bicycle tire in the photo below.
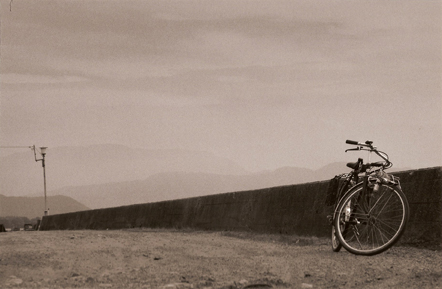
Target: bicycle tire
x,y
336,245
370,224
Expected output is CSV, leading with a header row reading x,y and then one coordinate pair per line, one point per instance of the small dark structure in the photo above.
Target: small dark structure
x,y
2,228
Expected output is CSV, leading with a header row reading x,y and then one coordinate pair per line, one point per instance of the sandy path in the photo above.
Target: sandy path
x,y
185,259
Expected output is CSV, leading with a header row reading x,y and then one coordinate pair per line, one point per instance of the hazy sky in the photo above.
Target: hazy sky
x,y
265,83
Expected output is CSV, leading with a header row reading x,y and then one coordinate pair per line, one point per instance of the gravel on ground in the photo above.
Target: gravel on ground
x,y
148,258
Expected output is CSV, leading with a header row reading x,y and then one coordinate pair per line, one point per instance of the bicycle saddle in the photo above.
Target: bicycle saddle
x,y
353,166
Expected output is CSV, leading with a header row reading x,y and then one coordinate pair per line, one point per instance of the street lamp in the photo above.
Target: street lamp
x,y
43,153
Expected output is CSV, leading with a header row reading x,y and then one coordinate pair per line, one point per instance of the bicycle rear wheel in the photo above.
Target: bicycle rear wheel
x,y
369,223
336,245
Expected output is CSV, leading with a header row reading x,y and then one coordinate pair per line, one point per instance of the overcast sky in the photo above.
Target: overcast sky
x,y
265,83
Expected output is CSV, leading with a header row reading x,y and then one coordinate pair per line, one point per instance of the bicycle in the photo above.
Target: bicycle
x,y
371,211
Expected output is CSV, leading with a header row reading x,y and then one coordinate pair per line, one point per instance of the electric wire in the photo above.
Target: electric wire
x,y
16,147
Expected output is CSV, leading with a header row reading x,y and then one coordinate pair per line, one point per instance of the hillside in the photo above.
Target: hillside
x,y
20,175
32,207
103,176
177,185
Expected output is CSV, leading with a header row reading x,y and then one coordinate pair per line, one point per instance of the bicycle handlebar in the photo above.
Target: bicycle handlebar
x,y
353,142
371,148
368,143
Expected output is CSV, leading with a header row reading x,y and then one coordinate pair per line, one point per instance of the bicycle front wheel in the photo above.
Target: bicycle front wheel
x,y
373,221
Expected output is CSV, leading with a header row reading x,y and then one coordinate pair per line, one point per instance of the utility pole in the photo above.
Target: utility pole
x,y
43,154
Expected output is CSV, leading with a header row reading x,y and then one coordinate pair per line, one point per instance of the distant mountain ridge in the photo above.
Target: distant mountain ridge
x,y
112,175
32,207
177,185
100,164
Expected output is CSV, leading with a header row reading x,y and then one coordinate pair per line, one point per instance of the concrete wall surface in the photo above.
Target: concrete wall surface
x,y
295,209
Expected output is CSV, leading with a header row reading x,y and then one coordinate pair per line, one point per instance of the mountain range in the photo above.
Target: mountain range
x,y
31,207
99,164
177,185
112,175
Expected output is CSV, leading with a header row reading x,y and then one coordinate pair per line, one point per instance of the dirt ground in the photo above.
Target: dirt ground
x,y
146,258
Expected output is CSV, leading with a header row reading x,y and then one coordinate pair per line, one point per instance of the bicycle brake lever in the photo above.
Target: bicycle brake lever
x,y
354,149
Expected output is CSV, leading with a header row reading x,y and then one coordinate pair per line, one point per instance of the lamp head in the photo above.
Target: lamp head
x,y
43,150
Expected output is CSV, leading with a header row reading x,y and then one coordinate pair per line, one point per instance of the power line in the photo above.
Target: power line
x,y
15,147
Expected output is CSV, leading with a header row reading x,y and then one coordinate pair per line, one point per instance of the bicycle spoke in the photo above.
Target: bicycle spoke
x,y
377,201
386,226
382,234
374,238
357,238
385,204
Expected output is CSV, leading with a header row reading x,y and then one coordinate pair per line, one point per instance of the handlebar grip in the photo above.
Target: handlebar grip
x,y
352,142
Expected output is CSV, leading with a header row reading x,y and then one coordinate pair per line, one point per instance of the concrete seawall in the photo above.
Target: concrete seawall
x,y
295,209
